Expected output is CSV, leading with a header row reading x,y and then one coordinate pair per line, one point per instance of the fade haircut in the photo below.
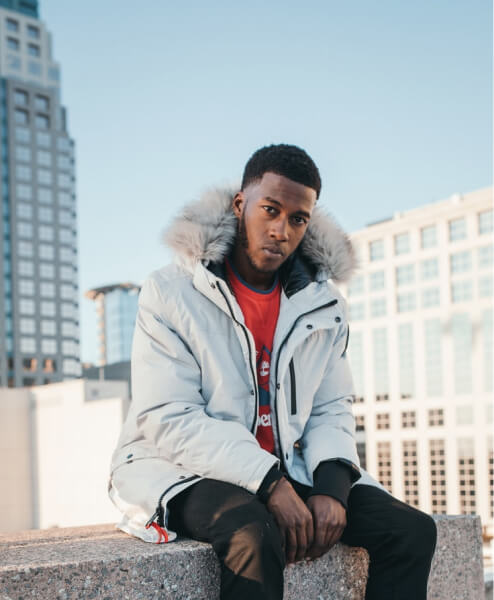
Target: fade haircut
x,y
283,159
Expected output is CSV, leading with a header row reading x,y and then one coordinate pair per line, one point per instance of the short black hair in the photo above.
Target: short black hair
x,y
287,160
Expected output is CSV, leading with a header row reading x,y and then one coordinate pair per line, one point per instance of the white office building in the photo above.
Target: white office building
x,y
420,309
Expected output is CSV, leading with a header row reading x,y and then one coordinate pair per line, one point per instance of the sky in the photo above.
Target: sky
x,y
392,99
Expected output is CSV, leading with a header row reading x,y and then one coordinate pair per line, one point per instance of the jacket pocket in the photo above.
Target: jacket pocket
x,y
293,389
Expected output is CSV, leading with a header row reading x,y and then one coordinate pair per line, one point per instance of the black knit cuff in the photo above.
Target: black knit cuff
x,y
333,478
268,483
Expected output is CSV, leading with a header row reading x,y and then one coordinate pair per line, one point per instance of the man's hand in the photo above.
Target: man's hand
x,y
329,519
294,520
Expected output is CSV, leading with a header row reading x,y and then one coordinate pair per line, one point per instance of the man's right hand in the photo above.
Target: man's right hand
x,y
294,520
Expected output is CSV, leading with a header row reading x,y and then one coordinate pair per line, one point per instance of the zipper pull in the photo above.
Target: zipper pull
x,y
152,519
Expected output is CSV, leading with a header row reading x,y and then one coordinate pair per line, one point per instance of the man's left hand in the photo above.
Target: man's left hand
x,y
329,517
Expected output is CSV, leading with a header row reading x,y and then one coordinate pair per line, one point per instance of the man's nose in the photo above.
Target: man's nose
x,y
279,229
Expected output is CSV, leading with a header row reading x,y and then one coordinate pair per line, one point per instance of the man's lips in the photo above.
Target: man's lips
x,y
273,250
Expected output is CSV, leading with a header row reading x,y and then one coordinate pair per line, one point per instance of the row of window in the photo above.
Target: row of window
x,y
46,289
46,233
41,103
457,229
43,196
14,44
461,291
49,346
460,262
34,67
44,176
22,117
13,26
48,327
47,251
43,158
458,330
45,215
46,270
48,308
24,135
48,365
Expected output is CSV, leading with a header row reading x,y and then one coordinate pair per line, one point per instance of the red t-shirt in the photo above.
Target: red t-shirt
x,y
260,309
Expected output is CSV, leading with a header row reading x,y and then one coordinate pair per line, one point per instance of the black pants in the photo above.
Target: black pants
x,y
399,538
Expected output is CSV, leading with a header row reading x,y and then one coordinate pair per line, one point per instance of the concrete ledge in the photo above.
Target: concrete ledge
x,y
101,562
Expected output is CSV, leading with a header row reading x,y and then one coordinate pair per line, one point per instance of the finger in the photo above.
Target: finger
x,y
291,545
301,542
310,532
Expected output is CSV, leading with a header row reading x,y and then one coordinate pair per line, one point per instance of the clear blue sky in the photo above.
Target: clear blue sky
x,y
392,99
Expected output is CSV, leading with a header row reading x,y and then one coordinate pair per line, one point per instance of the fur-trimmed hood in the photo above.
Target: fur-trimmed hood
x,y
205,231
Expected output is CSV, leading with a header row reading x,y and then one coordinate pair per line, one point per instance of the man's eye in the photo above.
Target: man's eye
x,y
269,209
300,220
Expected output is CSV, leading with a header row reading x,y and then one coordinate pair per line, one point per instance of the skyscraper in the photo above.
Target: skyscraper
x,y
420,347
116,306
39,314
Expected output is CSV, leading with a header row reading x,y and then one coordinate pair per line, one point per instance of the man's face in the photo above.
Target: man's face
x,y
273,215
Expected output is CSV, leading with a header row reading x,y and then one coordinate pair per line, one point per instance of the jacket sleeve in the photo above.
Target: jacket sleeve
x,y
170,411
330,431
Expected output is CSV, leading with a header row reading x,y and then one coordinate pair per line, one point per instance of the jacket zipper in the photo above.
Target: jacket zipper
x,y
293,389
254,378
158,515
332,303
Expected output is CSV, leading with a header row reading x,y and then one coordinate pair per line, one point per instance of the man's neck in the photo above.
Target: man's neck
x,y
256,279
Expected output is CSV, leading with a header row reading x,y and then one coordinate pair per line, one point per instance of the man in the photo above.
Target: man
x,y
240,431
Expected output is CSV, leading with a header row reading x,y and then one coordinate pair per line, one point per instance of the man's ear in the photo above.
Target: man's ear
x,y
238,204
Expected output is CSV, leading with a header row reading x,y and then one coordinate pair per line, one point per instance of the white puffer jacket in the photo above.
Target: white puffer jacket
x,y
194,389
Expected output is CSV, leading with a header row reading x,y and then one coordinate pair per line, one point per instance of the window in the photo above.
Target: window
x,y
376,250
406,302
410,472
48,309
64,180
464,415
356,356
485,287
23,191
12,43
66,255
437,464
435,417
21,97
44,158
384,470
24,211
378,307
49,346
430,297
32,32
63,162
27,326
46,252
26,287
53,73
68,310
406,361
433,357
25,249
22,135
43,139
48,327
26,307
461,262
66,236
66,273
487,344
12,25
42,122
382,421
376,281
64,199
408,419
428,237
356,286
461,291
405,274
26,268
66,292
23,172
461,328
45,195
34,67
33,50
360,423
49,366
47,289
28,344
402,243
356,311
21,116
44,177
13,62
485,222
63,144
65,217
45,233
457,230
46,271
380,363
45,214
466,475
23,153
24,229
485,257
429,268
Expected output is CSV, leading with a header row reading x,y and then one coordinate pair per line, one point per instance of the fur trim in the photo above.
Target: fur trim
x,y
205,231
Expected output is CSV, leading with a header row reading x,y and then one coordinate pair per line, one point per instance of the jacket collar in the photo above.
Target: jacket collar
x,y
204,231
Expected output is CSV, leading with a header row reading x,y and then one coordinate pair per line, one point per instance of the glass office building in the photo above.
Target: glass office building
x,y
39,313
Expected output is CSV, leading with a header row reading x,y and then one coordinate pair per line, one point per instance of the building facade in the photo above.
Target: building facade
x,y
116,307
420,310
39,313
